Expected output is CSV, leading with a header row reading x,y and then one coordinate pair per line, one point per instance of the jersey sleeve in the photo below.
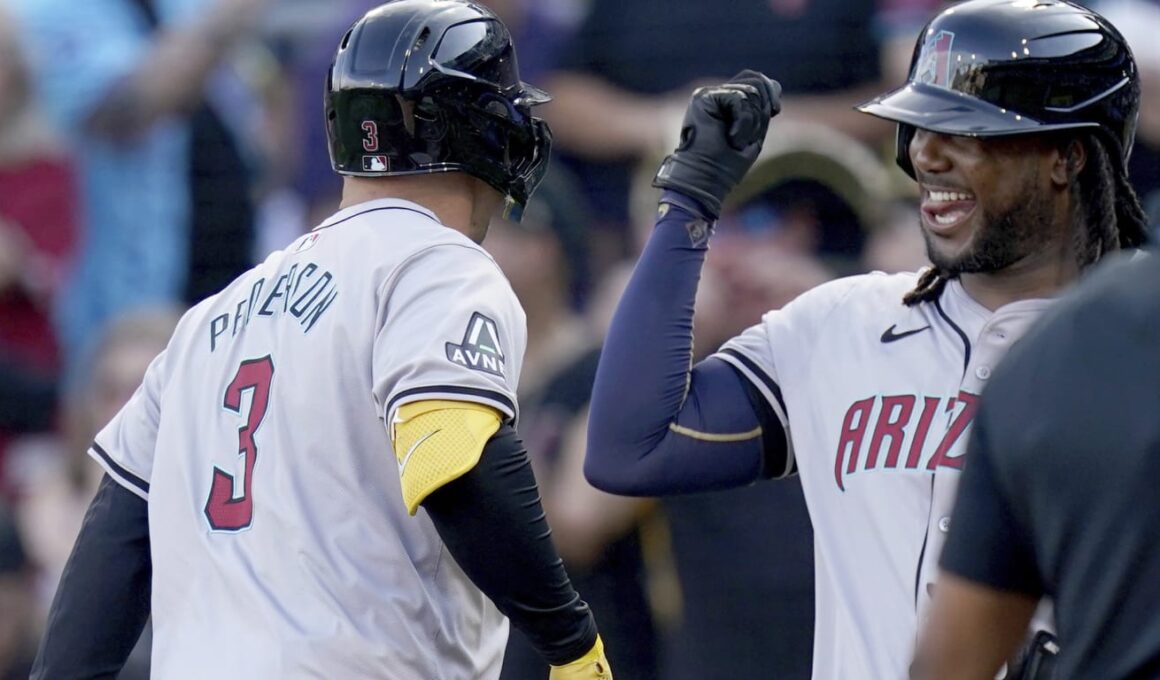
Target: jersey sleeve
x,y
450,328
750,354
768,353
125,446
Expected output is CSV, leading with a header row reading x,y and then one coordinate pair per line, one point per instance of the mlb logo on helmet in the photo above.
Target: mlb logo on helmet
x,y
934,67
376,164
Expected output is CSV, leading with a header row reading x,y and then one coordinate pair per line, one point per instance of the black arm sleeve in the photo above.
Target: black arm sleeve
x,y
656,428
494,526
102,602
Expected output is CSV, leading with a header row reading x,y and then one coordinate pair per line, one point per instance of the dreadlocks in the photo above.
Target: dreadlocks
x,y
1115,219
929,287
1109,217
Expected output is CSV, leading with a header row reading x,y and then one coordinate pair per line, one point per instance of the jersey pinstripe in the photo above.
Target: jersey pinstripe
x,y
877,400
280,542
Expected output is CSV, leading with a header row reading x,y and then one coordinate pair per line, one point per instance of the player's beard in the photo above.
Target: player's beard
x,y
1002,239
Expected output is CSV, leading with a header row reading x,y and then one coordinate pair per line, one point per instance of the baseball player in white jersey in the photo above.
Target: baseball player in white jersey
x,y
866,386
249,480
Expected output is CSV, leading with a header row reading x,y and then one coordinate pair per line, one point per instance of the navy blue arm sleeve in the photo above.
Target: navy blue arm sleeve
x,y
102,602
493,524
987,543
655,427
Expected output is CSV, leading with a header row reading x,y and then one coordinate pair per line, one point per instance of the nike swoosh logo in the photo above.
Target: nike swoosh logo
x,y
411,451
890,336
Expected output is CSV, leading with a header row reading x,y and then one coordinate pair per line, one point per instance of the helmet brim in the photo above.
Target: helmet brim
x,y
937,109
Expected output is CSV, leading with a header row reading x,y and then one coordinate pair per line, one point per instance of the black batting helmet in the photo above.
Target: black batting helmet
x,y
1005,67
424,86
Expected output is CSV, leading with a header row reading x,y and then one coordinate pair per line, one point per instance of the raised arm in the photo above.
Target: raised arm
x,y
655,426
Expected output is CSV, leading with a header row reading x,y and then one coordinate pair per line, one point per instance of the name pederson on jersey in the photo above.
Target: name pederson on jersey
x,y
877,400
281,545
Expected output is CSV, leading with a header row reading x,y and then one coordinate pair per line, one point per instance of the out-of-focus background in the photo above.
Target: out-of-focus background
x,y
151,150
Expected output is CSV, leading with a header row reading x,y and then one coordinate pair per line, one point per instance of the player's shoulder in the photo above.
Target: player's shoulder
x,y
1108,319
872,288
393,232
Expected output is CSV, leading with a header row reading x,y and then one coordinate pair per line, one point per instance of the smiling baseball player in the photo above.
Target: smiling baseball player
x,y
1016,123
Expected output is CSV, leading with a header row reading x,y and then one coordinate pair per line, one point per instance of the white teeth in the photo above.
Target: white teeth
x,y
947,219
942,196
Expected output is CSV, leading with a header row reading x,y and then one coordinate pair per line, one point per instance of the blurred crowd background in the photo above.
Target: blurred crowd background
x,y
151,150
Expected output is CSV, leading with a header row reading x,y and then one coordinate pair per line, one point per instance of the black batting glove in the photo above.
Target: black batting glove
x,y
722,134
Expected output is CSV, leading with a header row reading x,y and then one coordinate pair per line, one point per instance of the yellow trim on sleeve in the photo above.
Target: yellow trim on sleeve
x,y
437,442
715,437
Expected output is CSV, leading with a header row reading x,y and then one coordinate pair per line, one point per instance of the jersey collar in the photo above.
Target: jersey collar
x,y
376,204
957,299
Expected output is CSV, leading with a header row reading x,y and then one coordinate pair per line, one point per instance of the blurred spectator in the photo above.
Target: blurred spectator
x,y
37,234
17,630
597,535
279,211
164,195
897,244
629,59
56,478
542,29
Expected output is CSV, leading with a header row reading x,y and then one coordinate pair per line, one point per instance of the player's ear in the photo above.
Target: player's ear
x,y
1069,163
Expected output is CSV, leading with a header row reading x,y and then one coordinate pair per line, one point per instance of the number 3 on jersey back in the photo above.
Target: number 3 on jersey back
x,y
222,509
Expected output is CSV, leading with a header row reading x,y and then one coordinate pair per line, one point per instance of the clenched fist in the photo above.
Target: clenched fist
x,y
721,136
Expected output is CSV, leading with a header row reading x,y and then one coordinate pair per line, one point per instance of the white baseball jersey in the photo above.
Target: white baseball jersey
x,y
877,400
281,545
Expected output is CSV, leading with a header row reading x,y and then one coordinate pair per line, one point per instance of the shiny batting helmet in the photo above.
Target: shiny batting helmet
x,y
988,68
426,86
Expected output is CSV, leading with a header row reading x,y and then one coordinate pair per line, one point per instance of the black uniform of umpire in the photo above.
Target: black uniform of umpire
x,y
1061,492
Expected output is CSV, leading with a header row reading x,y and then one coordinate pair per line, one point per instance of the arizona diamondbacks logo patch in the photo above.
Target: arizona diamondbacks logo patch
x,y
480,350
934,66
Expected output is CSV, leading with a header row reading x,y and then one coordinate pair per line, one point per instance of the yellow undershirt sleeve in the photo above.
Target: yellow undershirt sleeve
x,y
437,442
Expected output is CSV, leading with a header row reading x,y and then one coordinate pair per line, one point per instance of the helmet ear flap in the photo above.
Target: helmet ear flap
x,y
902,139
430,120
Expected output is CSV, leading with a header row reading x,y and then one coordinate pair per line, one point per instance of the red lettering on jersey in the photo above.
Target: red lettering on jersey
x,y
929,406
958,426
899,406
853,429
897,418
224,512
